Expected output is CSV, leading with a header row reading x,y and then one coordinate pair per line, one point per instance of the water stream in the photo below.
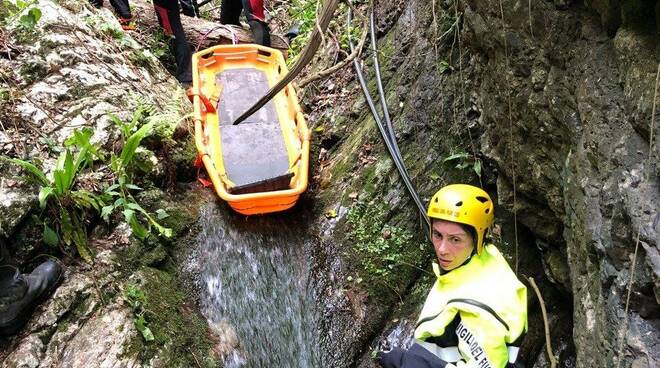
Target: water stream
x,y
255,276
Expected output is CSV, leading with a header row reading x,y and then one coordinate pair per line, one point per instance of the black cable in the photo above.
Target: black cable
x,y
386,133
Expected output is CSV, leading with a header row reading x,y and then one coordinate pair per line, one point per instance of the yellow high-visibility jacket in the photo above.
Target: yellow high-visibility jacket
x,y
475,315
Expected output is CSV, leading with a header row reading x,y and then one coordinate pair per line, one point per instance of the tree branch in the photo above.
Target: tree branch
x,y
349,59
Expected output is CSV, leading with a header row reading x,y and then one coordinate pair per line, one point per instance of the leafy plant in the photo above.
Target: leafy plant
x,y
82,139
129,127
464,161
22,16
304,12
58,196
29,20
444,67
123,167
136,299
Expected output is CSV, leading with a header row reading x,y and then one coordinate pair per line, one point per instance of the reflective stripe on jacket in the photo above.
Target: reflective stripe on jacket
x,y
480,307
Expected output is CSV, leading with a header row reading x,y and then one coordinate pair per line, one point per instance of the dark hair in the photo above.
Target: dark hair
x,y
470,231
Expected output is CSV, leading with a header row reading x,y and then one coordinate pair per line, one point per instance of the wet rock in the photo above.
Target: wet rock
x,y
15,205
226,339
27,355
75,288
556,268
100,342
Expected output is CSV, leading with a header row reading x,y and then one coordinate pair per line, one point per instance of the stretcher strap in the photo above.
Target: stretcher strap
x,y
209,104
199,164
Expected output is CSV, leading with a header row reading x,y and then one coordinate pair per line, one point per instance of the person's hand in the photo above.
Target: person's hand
x,y
189,7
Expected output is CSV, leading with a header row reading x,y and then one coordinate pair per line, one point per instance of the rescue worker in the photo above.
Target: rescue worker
x,y
476,312
21,293
169,19
230,10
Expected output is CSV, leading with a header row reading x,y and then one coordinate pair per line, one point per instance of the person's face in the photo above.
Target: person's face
x,y
451,243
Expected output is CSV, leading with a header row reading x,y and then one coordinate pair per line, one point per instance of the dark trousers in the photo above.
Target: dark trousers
x,y
415,357
169,19
230,10
122,8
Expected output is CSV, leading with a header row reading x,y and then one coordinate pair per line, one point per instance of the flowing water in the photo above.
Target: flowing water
x,y
255,277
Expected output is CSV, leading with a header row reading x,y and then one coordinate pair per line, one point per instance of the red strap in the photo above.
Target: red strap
x,y
204,182
199,163
208,105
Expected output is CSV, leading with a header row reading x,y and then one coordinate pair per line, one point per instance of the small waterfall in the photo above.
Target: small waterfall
x,y
255,277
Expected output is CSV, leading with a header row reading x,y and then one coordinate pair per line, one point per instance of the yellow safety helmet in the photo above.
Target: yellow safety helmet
x,y
465,204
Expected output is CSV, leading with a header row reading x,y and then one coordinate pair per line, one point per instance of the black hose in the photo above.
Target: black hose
x,y
386,133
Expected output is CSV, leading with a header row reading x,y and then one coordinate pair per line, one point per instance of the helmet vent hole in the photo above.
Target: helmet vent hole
x,y
487,210
482,199
459,204
435,200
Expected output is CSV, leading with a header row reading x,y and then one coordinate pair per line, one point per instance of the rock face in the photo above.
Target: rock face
x,y
74,68
73,328
549,106
555,101
577,142
72,71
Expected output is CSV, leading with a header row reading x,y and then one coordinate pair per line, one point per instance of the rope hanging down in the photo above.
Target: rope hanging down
x,y
327,13
386,132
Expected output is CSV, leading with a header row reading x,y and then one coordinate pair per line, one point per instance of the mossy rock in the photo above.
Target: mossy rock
x,y
180,334
388,256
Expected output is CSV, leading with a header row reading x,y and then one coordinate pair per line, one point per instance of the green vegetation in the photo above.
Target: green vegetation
x,y
171,321
136,299
465,161
67,207
388,257
380,245
20,17
444,67
304,12
123,166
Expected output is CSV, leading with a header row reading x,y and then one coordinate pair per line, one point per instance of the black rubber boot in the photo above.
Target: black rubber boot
x,y
21,293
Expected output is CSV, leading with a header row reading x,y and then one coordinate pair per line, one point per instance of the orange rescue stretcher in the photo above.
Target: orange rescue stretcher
x,y
260,165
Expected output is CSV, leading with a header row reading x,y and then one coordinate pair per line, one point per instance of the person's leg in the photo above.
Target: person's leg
x,y
123,14
170,20
122,8
415,357
230,11
254,12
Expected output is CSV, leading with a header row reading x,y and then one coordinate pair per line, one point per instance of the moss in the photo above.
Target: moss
x,y
155,256
388,256
34,70
180,335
